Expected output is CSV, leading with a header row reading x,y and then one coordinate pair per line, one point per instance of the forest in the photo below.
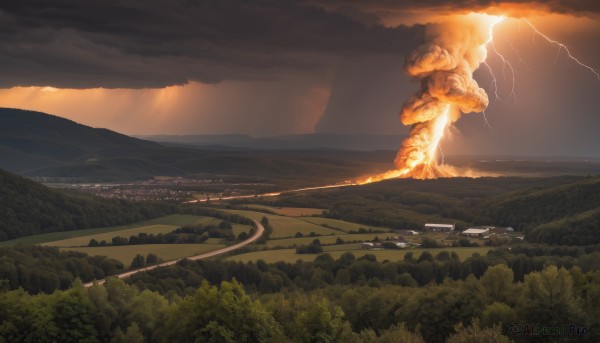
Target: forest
x,y
29,208
433,298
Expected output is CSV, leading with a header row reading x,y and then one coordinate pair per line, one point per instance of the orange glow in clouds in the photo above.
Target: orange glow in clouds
x,y
193,108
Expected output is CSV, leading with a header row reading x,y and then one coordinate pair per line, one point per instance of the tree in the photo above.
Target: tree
x,y
132,335
549,299
73,315
475,334
497,285
149,309
425,256
429,243
498,314
120,241
319,323
138,262
105,315
270,283
93,243
406,280
151,258
220,314
399,333
226,225
343,277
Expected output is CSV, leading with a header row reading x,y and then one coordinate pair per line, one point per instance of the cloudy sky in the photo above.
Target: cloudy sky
x,y
272,67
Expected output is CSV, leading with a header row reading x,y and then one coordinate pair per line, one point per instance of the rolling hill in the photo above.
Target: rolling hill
x,y
38,144
42,145
28,208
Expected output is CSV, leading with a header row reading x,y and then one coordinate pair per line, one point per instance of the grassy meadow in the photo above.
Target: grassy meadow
x,y
173,219
166,252
284,227
340,224
290,256
292,242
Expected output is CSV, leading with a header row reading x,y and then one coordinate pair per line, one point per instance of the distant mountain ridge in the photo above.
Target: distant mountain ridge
x,y
35,143
39,144
356,142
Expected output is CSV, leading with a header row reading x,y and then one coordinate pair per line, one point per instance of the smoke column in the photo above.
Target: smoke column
x,y
444,64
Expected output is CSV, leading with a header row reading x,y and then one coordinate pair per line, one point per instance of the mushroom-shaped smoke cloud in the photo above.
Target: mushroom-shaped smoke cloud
x,y
445,65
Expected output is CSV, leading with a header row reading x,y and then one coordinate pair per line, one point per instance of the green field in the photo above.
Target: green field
x,y
239,228
149,229
107,236
290,256
339,224
167,252
290,211
290,242
174,219
284,227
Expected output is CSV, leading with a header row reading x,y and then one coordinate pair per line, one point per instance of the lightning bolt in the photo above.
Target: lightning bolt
x,y
505,64
561,46
494,82
521,60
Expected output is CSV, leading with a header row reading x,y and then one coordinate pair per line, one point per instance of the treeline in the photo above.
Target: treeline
x,y
474,310
366,270
187,234
45,269
29,208
119,313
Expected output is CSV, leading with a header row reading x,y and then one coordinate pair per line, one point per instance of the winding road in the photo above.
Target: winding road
x,y
273,194
260,230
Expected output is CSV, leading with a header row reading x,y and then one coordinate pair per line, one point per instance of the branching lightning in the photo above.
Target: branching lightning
x,y
505,63
521,60
561,46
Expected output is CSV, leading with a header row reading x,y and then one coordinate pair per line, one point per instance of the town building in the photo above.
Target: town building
x,y
438,227
479,231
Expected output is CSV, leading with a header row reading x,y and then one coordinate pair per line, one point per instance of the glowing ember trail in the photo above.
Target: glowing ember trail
x,y
445,66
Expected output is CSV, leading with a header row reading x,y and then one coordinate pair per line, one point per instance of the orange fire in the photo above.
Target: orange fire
x,y
418,156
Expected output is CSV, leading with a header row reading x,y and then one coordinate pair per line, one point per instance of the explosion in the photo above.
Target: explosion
x,y
444,64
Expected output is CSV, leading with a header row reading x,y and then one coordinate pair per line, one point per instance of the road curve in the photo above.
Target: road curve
x,y
260,230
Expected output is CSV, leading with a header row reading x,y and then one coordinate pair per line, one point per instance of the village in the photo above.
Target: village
x,y
433,235
159,188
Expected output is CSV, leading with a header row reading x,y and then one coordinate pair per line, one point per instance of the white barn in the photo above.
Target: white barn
x,y
438,227
476,232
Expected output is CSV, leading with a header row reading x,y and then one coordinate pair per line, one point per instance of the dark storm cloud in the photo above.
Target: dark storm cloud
x,y
379,7
152,43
